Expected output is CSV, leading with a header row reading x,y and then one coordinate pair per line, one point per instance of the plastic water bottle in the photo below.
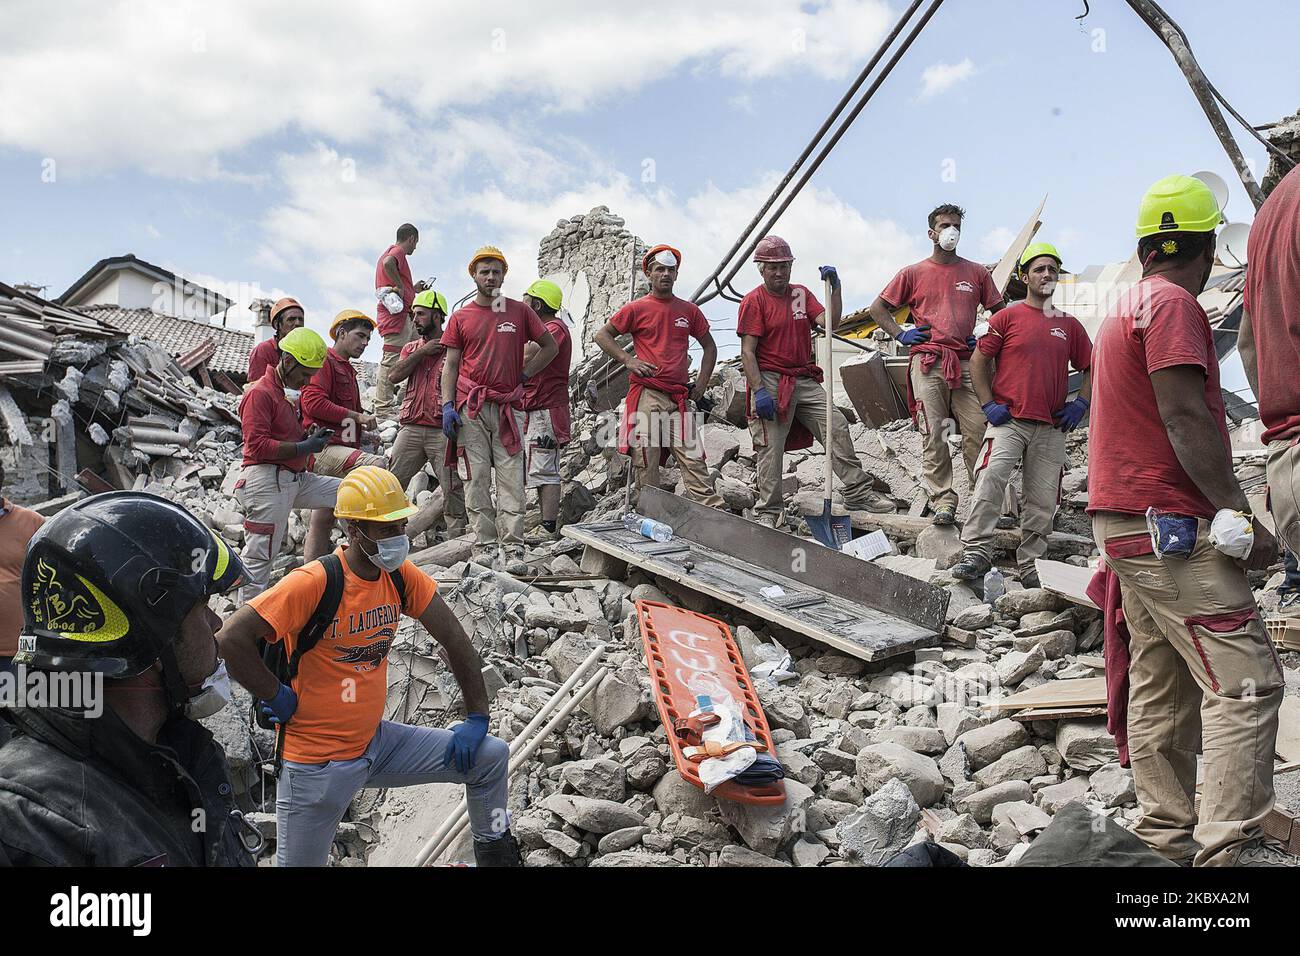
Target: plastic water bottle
x,y
647,527
995,585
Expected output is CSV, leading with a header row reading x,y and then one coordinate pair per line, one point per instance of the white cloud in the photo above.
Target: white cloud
x,y
178,88
941,77
994,243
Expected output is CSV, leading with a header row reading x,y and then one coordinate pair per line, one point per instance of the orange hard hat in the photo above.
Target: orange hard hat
x,y
655,250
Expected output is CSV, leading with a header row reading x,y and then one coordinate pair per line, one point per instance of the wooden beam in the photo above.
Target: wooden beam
x,y
1078,692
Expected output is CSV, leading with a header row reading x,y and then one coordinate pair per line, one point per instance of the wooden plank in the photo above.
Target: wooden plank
x,y
800,559
1288,730
1078,692
855,629
1002,271
1067,580
867,384
1057,713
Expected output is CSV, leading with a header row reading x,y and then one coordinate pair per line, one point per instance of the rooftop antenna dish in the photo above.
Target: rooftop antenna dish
x,y
1232,244
1217,186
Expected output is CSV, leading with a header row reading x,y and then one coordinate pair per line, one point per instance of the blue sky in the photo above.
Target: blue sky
x,y
277,151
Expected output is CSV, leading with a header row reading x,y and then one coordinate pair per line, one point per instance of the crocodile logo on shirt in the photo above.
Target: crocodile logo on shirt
x,y
368,656
964,286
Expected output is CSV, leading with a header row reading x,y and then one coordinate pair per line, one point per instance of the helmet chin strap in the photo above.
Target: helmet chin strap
x,y
177,691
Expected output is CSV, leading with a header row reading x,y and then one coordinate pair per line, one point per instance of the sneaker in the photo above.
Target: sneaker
x,y
1262,851
1288,603
875,503
539,536
1005,522
947,515
972,565
503,851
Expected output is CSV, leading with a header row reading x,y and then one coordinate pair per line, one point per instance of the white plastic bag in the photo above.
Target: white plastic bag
x,y
391,299
1232,533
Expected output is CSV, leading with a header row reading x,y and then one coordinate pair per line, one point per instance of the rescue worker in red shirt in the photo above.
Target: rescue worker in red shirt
x,y
1269,340
943,293
483,381
1034,346
396,292
655,419
286,315
546,408
332,399
1202,673
420,439
277,452
787,405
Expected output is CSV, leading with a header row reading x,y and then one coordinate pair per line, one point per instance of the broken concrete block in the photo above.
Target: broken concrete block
x,y
986,744
954,719
1052,798
940,544
547,615
880,763
884,824
1113,785
767,829
981,803
1015,666
618,701
1028,600
1085,745
673,794
739,856
975,618
1023,763
921,740
601,778
1022,815
621,840
954,765
736,495
592,815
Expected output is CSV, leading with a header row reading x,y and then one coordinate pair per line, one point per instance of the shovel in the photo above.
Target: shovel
x,y
834,531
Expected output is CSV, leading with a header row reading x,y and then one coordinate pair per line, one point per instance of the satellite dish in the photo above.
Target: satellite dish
x,y
1217,186
1232,244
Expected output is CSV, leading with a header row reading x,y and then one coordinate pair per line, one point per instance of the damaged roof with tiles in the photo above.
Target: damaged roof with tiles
x,y
181,336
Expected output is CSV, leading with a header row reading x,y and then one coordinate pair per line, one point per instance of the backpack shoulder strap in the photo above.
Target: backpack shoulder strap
x,y
399,582
323,616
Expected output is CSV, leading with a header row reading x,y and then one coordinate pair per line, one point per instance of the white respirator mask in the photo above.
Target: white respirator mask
x,y
948,237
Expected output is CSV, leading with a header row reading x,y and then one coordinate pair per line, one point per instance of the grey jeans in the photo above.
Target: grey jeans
x,y
311,798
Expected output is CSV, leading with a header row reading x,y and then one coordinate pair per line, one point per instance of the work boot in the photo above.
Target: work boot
x,y
1005,522
945,515
876,504
503,851
1288,603
768,520
972,565
539,537
1262,851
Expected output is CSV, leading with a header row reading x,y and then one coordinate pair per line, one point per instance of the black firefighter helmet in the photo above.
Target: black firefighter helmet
x,y
108,580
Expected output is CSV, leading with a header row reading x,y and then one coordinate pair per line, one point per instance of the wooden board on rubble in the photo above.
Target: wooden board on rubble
x,y
1288,730
1077,692
1067,580
1057,713
853,606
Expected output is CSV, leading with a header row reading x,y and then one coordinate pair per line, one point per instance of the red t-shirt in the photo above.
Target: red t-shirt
x,y
661,330
1034,353
268,418
491,342
387,322
1272,299
264,355
1131,463
422,403
783,325
550,387
331,395
944,297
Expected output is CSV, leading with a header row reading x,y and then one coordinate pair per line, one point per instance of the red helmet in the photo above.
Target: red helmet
x,y
773,249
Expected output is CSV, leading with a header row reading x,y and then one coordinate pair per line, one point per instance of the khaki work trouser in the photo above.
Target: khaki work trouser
x,y
1203,675
939,406
268,493
417,444
335,461
479,443
1039,449
1284,492
385,404
808,405
658,425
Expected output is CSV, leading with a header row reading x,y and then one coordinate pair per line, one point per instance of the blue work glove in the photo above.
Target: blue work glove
x,y
828,272
465,740
450,419
971,342
1068,418
996,413
765,404
281,707
915,336
315,443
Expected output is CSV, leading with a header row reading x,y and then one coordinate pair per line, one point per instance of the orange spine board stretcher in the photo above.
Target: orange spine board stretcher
x,y
680,646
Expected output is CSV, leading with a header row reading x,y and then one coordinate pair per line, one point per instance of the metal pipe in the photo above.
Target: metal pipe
x,y
459,819
542,714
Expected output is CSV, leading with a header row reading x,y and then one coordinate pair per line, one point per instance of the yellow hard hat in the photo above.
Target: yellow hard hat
x,y
488,252
347,315
371,493
1036,249
1178,204
306,346
429,299
548,292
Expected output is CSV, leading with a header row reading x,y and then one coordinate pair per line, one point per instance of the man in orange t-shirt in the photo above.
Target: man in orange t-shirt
x,y
335,740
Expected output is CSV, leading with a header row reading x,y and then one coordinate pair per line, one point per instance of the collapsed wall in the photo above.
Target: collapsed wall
x,y
1286,137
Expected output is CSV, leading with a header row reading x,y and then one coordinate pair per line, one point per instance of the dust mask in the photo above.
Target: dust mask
x,y
948,237
213,696
392,551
